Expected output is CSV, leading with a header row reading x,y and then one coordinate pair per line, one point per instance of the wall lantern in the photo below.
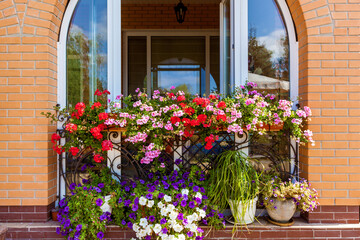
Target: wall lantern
x,y
180,11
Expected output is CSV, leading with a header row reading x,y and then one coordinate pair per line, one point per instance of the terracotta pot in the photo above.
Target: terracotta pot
x,y
282,211
249,215
54,214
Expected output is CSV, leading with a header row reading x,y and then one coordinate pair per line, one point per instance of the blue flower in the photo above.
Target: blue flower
x,y
127,203
195,188
67,223
148,237
101,185
142,181
100,235
180,216
102,217
149,196
163,221
151,175
161,195
177,161
152,189
132,215
123,222
135,207
191,184
97,189
202,189
164,230
99,202
191,204
66,209
62,203
183,203
190,234
120,200
176,203
205,222
127,189
58,230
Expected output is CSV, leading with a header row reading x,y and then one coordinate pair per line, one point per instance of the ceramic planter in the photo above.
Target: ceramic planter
x,y
106,207
283,212
249,215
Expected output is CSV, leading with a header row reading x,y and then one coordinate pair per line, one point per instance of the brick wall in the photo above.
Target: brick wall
x,y
162,16
28,80
329,61
328,33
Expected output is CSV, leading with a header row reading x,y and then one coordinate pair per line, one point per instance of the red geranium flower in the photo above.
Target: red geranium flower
x,y
194,123
103,116
74,151
202,118
182,105
71,127
186,121
98,92
96,132
212,97
221,104
188,133
58,149
80,106
175,120
181,98
171,95
189,111
106,145
106,92
96,104
55,137
221,117
98,158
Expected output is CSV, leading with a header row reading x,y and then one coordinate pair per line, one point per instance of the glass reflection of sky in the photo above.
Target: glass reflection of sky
x,y
185,77
265,17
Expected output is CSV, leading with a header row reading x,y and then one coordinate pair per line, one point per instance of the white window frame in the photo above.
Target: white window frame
x,y
165,33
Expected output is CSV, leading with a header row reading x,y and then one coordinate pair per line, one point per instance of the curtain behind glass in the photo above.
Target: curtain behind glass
x,y
86,51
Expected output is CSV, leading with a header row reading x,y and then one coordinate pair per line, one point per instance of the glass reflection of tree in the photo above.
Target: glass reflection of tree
x,y
259,56
79,67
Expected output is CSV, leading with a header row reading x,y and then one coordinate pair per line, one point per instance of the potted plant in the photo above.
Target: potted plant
x,y
235,182
282,199
54,214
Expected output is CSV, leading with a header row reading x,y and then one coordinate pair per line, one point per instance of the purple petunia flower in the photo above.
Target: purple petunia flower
x,y
100,235
130,225
152,189
148,237
136,200
177,161
166,185
199,238
190,234
85,188
134,185
191,204
127,203
149,196
198,201
135,207
163,221
195,188
101,185
99,202
123,222
183,203
180,216
98,190
151,175
191,184
221,215
164,230
102,217
205,222
84,181
62,203
176,203
151,218
185,222
67,223
186,175
132,215
72,186
78,227
127,189
58,230
66,209
120,200
142,181
161,195
165,178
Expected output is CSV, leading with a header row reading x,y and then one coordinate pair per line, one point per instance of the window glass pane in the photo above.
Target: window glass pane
x,y
86,51
179,62
136,63
268,47
214,64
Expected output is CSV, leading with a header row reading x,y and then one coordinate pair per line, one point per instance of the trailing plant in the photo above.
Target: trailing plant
x,y
152,120
168,206
80,215
234,179
300,192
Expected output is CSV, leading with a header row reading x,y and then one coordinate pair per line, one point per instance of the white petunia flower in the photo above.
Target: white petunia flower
x,y
136,227
170,207
142,201
178,228
150,203
143,222
181,237
167,198
185,192
202,213
173,215
193,227
198,195
157,228
163,211
160,205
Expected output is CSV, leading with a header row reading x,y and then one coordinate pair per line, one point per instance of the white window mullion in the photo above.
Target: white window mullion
x,y
114,48
240,60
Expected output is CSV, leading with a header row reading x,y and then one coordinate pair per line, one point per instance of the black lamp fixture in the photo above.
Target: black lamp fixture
x,y
180,11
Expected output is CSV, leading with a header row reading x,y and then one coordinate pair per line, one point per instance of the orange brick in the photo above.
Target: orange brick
x,y
35,185
334,112
334,193
354,177
21,194
334,177
36,202
9,202
21,178
9,186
